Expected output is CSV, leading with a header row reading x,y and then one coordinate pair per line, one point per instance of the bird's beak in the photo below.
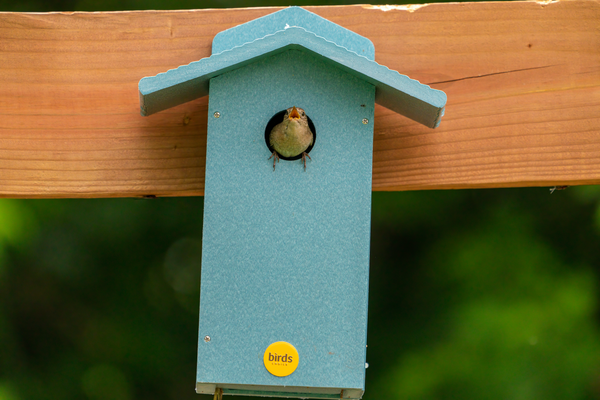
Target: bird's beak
x,y
294,114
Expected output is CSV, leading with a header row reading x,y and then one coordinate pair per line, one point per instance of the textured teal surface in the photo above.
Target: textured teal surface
x,y
286,252
397,92
290,17
281,394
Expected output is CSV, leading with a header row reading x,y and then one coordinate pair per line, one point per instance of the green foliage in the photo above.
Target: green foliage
x,y
492,308
96,303
487,294
519,321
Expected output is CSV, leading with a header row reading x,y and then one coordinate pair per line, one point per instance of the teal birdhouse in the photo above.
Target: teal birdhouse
x,y
285,259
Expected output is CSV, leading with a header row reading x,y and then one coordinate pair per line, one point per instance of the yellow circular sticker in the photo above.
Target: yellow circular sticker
x,y
281,358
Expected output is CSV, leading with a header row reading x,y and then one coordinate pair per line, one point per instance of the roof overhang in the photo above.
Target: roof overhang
x,y
395,91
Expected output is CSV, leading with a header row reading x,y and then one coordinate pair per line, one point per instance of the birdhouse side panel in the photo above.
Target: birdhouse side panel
x,y
286,250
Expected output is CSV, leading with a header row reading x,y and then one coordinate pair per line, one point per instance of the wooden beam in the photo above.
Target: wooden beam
x,y
522,79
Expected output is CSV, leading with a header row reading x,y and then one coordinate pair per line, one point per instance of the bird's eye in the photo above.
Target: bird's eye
x,y
302,113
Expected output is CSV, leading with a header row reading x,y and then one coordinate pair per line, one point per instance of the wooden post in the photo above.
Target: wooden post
x,y
522,79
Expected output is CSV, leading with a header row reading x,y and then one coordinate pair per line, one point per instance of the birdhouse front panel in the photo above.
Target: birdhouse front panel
x,y
286,249
284,288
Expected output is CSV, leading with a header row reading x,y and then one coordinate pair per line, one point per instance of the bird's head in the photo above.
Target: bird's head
x,y
295,114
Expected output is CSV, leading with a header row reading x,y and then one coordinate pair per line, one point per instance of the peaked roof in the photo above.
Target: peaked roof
x,y
395,91
292,16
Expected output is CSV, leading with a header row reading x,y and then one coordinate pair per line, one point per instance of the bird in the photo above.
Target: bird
x,y
292,136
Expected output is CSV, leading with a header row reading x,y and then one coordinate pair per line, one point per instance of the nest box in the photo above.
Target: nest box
x,y
285,259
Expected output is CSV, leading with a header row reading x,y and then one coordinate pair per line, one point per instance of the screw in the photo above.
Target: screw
x,y
207,338
217,114
365,121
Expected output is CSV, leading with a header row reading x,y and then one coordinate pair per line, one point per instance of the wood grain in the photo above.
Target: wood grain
x,y
522,79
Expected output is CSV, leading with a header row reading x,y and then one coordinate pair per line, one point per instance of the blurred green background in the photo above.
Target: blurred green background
x,y
475,294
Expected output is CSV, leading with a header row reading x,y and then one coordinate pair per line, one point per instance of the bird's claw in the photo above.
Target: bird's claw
x,y
304,155
275,158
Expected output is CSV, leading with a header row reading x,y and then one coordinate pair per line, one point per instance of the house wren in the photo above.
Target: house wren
x,y
292,136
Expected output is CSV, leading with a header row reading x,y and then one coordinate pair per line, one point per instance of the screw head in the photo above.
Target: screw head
x,y
207,338
217,114
365,121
